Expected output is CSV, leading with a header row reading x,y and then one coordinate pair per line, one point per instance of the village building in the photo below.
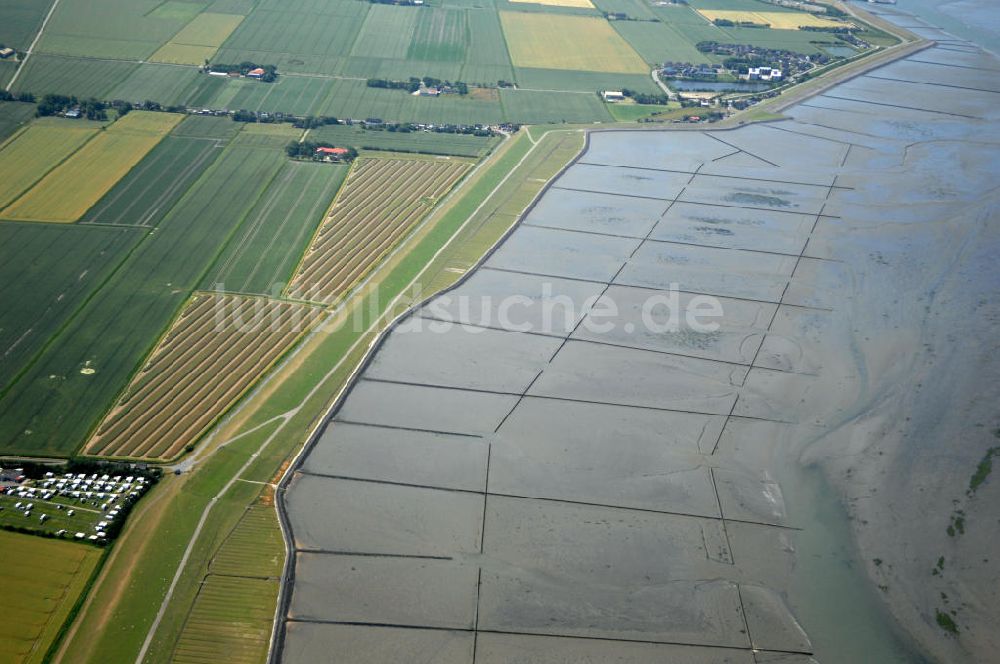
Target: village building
x,y
613,95
332,154
762,74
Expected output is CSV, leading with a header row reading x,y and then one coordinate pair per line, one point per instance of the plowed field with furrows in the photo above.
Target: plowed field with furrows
x,y
380,201
215,350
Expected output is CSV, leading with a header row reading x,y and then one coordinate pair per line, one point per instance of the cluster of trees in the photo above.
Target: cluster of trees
x,y
92,109
411,86
23,96
837,29
726,23
270,71
311,122
707,116
307,150
374,124
150,105
244,115
407,127
414,84
646,98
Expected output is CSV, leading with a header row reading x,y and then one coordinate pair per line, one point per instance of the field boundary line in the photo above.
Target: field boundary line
x,y
10,139
31,48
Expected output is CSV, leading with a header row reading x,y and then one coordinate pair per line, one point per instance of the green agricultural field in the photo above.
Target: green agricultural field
x,y
659,42
44,74
263,135
207,126
633,112
353,99
801,41
13,116
50,276
298,95
398,42
165,84
386,32
576,43
122,29
487,60
178,10
440,34
150,190
582,81
265,251
31,154
45,577
198,41
70,189
118,326
635,9
21,20
297,35
231,616
230,621
459,145
7,71
543,107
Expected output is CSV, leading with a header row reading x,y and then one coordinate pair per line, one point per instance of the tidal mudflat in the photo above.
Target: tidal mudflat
x,y
537,467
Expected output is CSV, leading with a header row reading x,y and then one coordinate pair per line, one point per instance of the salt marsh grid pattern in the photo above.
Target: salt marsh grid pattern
x,y
546,493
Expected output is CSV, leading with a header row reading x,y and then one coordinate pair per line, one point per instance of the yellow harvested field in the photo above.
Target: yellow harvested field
x,y
183,54
380,200
557,41
582,4
26,157
42,579
146,122
198,40
777,20
214,352
208,29
73,187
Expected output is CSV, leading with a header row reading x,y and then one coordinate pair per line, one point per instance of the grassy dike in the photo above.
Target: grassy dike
x,y
263,433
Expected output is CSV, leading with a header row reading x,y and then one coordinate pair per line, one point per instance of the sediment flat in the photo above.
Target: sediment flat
x,y
503,486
